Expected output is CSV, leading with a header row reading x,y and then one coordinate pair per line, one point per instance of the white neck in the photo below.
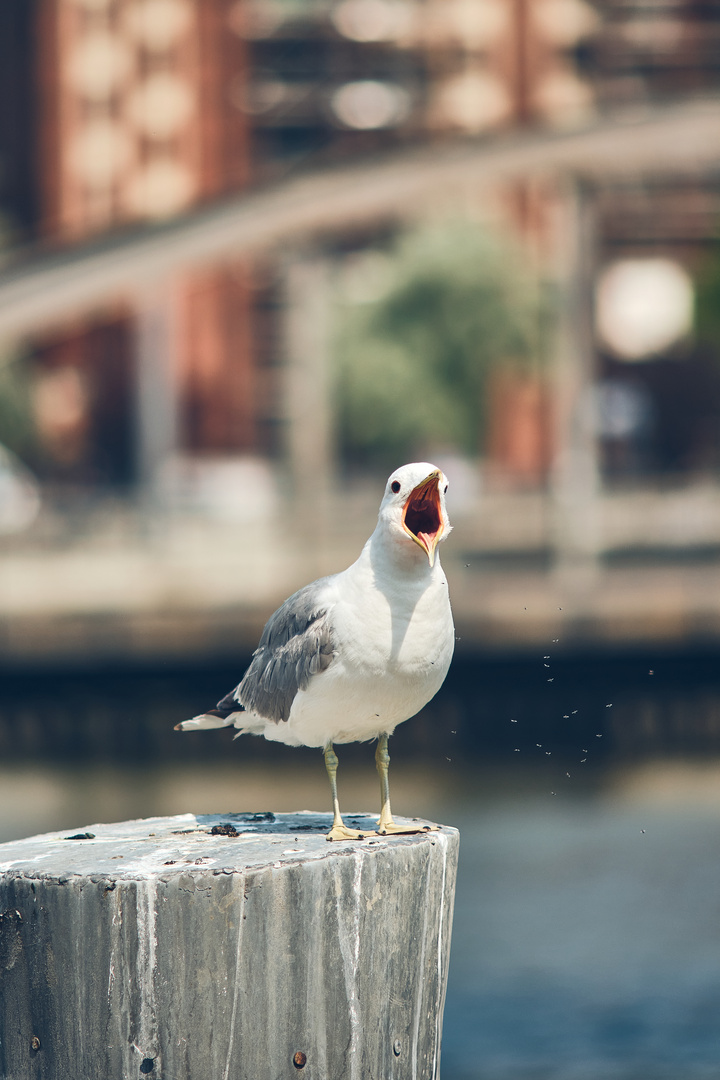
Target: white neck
x,y
392,556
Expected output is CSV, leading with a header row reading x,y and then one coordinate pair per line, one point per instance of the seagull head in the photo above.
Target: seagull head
x,y
413,507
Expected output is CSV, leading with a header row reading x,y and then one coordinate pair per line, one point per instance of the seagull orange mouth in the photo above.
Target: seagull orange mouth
x,y
422,515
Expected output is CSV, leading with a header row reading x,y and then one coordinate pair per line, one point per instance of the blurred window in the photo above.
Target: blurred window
x,y
368,104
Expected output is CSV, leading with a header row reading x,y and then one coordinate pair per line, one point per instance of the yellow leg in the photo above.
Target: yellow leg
x,y
386,824
339,830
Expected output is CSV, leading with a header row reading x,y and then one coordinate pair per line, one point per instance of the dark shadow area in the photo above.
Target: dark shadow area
x,y
601,707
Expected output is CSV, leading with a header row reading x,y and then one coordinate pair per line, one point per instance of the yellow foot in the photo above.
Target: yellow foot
x,y
341,832
389,828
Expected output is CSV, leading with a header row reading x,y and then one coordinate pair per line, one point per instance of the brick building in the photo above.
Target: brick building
x,y
135,110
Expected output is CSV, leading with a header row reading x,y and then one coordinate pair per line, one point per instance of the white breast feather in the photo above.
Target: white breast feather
x,y
397,643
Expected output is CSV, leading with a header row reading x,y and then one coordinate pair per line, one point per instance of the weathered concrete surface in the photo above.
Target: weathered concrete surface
x,y
156,948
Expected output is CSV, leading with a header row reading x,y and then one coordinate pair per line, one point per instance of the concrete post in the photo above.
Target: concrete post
x,y
243,947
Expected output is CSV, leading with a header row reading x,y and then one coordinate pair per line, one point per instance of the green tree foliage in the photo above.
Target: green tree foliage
x,y
707,299
17,425
412,363
17,428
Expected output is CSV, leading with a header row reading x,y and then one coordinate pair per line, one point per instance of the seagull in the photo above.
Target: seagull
x,y
350,656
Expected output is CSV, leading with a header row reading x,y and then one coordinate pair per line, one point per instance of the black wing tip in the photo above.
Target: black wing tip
x,y
229,704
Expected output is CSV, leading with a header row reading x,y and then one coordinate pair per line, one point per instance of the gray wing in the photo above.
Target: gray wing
x,y
296,644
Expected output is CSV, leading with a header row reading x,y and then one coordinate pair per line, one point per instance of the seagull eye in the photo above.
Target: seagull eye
x,y
395,486
445,491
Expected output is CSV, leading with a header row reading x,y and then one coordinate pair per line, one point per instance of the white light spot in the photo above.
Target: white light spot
x,y
164,187
472,101
564,22
563,98
161,105
475,25
98,152
367,104
643,306
158,24
97,65
373,20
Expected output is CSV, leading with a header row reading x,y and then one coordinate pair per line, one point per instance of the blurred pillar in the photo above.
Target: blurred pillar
x,y
157,395
307,408
575,474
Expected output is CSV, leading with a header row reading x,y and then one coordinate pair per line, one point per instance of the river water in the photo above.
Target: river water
x,y
587,932
586,941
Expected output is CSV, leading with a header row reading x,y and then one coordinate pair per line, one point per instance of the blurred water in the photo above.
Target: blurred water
x,y
586,943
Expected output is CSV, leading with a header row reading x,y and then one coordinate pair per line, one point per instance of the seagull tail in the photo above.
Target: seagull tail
x,y
210,719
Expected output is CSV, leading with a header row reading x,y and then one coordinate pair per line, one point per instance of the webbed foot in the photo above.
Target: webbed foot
x,y
389,828
341,832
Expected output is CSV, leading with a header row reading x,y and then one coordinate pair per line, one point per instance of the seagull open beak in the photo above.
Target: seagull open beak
x,y
422,514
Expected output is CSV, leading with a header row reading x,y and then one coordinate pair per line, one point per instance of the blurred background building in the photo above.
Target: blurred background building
x,y
138,110
541,318
255,254
571,354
